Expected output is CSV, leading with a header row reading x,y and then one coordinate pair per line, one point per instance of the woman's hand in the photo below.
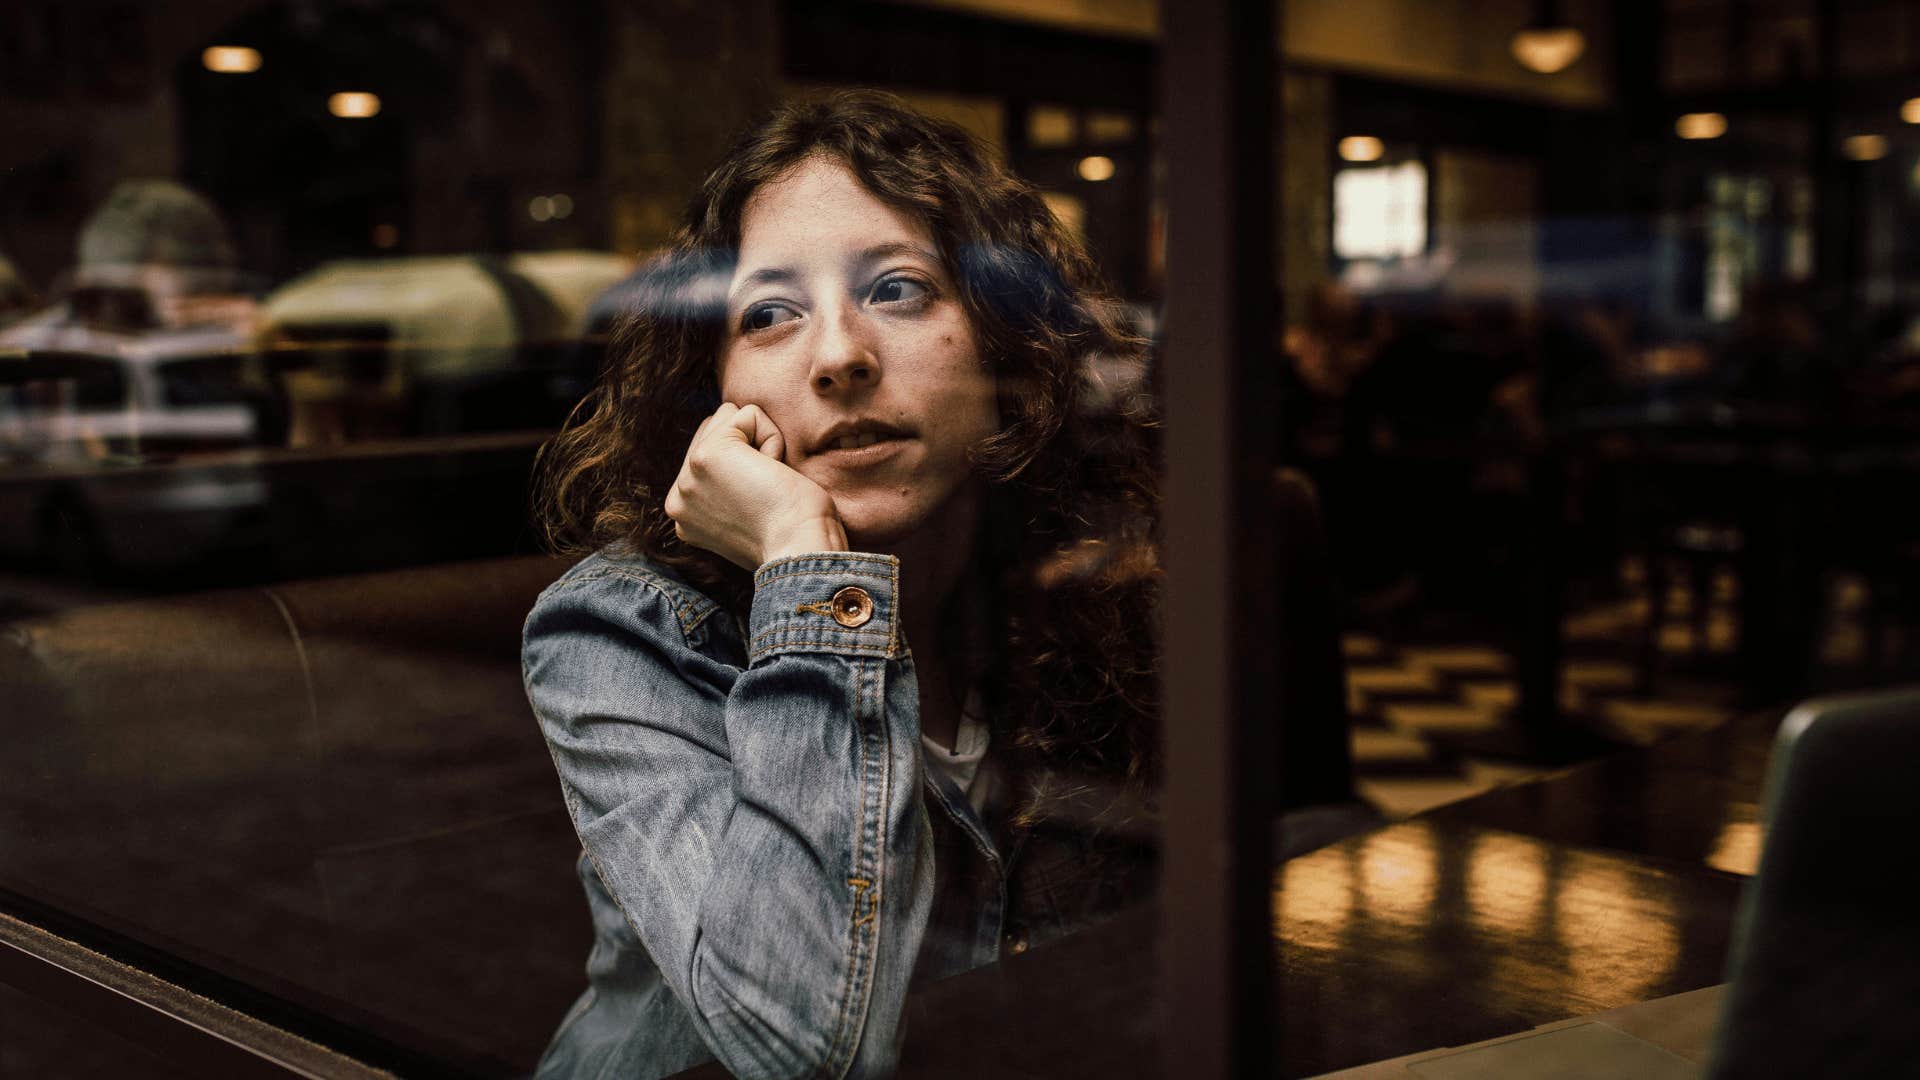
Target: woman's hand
x,y
737,499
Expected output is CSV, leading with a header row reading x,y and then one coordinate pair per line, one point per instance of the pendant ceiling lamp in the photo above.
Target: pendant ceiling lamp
x,y
1547,44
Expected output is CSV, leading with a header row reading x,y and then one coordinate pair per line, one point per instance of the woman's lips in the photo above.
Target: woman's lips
x,y
880,449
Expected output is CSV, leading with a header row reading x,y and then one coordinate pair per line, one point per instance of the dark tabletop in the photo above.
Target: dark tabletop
x,y
1599,886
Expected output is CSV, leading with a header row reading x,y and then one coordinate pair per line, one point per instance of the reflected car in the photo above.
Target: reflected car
x,y
432,344
101,432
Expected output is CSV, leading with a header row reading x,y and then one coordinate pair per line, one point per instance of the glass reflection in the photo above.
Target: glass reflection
x,y
1396,879
1618,930
1507,882
296,290
1312,909
1737,849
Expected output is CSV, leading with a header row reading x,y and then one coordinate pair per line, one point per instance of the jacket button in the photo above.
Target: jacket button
x,y
852,606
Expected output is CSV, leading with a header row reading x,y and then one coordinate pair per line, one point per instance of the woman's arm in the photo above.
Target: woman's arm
x,y
761,829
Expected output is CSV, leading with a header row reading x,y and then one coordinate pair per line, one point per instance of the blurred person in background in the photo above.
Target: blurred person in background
x,y
1774,353
155,256
1332,346
162,238
865,611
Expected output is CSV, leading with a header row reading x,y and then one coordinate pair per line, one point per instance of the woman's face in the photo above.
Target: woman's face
x,y
844,327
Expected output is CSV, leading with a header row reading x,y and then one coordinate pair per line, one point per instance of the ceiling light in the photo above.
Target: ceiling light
x,y
1548,50
354,105
1548,44
1096,168
1864,147
231,59
1361,148
1700,125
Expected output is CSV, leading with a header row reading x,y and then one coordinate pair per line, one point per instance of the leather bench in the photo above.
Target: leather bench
x,y
331,790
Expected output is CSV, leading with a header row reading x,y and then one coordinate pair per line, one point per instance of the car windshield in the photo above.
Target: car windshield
x,y
57,382
204,380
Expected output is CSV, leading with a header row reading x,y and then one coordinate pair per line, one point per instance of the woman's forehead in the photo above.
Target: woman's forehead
x,y
818,208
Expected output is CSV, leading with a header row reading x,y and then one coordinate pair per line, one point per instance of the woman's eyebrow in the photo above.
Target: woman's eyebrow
x,y
764,276
893,249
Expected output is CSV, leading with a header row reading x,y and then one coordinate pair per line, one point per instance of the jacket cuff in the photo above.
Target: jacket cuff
x,y
831,601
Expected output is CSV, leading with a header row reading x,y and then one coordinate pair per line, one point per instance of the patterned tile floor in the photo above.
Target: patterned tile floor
x,y
1409,698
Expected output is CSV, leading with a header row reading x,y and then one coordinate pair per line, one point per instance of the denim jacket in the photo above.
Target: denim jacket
x,y
768,863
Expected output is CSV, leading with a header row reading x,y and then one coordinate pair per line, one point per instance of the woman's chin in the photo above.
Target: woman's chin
x,y
877,535
881,525
887,521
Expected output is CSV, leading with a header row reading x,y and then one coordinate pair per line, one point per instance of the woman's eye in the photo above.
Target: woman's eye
x,y
764,316
894,290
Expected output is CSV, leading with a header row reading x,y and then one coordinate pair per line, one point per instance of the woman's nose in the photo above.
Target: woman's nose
x,y
843,357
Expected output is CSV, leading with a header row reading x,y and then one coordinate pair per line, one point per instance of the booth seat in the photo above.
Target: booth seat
x,y
330,790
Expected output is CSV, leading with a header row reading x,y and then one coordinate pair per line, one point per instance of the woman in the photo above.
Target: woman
x,y
871,590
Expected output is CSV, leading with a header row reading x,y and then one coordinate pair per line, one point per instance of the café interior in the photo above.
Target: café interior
x,y
1537,390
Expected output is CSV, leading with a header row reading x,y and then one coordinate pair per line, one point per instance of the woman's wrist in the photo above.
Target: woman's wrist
x,y
814,534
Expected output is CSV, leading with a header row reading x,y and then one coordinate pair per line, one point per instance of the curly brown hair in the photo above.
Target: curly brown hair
x,y
1064,563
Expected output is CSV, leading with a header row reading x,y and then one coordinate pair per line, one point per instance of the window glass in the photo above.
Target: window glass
x,y
332,335
1380,213
293,300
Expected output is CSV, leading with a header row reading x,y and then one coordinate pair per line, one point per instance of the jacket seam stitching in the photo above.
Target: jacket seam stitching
x,y
830,556
877,650
772,630
877,854
843,1021
893,624
769,579
690,608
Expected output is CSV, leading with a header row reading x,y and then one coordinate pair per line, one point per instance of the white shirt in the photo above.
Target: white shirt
x,y
962,763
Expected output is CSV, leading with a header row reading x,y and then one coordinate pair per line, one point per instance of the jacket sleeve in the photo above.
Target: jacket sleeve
x,y
761,829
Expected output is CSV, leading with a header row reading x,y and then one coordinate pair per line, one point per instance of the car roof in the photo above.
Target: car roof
x,y
145,348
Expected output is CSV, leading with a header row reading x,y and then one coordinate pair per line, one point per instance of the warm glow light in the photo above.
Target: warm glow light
x,y
1312,903
1507,883
1361,148
549,207
1548,49
385,235
1380,212
1096,168
1700,125
1103,127
1864,147
1737,850
354,105
1069,211
231,59
1910,110
1399,872
1617,927
1052,125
